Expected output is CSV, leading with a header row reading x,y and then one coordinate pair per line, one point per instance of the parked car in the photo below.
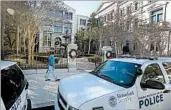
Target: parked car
x,y
119,84
14,87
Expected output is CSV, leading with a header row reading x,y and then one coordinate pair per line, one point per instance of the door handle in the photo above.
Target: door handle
x,y
166,91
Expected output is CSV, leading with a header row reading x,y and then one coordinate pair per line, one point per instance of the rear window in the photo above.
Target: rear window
x,y
12,85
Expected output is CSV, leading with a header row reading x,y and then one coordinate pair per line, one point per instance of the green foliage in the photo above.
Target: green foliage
x,y
92,22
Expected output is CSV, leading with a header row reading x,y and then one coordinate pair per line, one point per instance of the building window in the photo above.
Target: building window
x,y
49,40
83,22
68,15
47,37
157,16
108,17
157,49
136,6
111,15
121,12
50,13
153,18
135,45
104,18
136,23
128,9
122,25
44,39
68,27
59,14
127,25
151,47
58,27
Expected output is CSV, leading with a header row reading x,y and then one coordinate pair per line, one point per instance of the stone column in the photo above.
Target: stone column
x,y
71,61
106,49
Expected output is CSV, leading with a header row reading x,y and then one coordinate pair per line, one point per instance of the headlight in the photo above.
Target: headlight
x,y
72,108
98,108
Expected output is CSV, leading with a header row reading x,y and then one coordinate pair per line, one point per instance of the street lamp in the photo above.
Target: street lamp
x,y
10,11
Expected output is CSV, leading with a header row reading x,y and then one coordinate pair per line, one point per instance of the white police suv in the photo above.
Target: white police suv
x,y
14,87
119,84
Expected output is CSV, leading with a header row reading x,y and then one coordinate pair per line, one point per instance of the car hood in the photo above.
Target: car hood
x,y
78,89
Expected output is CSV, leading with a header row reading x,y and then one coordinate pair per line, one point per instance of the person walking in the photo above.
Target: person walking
x,y
126,49
51,67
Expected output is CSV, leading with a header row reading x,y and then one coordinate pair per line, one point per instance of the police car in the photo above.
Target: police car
x,y
119,84
14,87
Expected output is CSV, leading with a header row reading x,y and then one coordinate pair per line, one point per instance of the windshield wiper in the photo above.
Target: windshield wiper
x,y
106,77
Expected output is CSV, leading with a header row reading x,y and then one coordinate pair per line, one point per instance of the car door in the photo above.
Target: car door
x,y
13,85
150,98
166,68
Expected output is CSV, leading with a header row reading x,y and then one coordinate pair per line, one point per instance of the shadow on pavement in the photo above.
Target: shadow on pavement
x,y
45,108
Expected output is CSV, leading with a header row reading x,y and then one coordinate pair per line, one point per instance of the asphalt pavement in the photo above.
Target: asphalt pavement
x,y
43,93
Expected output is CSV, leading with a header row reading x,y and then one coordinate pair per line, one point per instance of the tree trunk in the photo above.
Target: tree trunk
x,y
2,35
89,46
17,41
29,47
84,47
32,57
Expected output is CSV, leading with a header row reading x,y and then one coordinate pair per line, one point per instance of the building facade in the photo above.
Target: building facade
x,y
81,23
58,26
150,11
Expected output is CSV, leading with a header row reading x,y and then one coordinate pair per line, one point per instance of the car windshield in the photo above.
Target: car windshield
x,y
120,73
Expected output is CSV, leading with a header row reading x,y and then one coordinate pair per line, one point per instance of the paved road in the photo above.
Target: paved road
x,y
84,64
41,92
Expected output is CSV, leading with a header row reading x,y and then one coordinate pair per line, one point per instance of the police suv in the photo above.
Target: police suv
x,y
14,87
119,84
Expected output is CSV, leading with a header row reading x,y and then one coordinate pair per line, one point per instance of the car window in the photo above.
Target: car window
x,y
167,67
12,84
154,72
121,73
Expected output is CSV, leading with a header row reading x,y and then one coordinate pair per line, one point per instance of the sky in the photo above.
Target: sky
x,y
84,7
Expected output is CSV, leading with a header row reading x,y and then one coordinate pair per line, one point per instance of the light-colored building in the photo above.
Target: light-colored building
x,y
81,23
52,35
151,11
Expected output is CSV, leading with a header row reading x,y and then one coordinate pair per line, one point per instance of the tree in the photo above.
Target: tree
x,y
80,40
91,32
117,29
30,16
152,37
10,24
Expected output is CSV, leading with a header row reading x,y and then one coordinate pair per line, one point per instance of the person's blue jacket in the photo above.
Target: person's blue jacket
x,y
51,61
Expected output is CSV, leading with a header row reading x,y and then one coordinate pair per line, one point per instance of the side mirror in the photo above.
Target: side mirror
x,y
139,71
153,84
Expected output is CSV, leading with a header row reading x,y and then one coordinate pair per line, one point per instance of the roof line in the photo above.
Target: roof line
x,y
105,8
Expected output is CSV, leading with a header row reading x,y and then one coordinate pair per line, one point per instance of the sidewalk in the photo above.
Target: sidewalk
x,y
84,64
41,92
